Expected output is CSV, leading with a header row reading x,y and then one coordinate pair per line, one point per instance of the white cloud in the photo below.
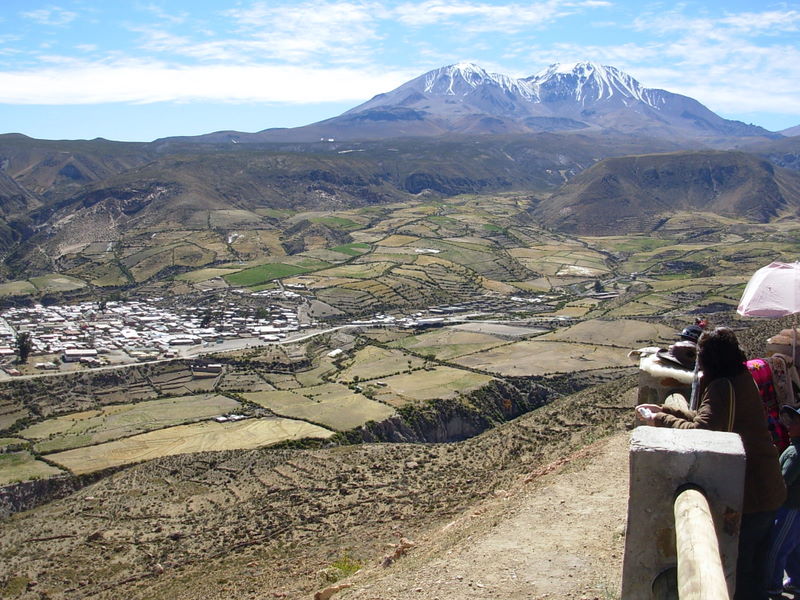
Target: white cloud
x,y
336,31
163,15
330,50
143,83
490,17
768,22
320,32
52,15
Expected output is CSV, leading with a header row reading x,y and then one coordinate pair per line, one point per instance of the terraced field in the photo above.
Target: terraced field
x,y
582,304
23,466
533,357
185,439
123,420
337,408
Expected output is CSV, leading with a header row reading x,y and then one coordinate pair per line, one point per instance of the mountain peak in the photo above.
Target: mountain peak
x,y
586,82
461,78
573,68
465,98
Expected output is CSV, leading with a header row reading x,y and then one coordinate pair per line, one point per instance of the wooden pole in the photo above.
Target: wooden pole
x,y
700,574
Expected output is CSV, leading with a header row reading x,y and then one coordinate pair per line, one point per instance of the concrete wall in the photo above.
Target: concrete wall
x,y
661,461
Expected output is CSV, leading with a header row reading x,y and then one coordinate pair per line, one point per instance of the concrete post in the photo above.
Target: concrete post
x,y
662,460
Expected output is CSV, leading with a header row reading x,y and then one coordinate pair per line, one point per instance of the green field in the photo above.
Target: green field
x,y
56,283
354,249
337,222
23,466
17,288
204,274
264,273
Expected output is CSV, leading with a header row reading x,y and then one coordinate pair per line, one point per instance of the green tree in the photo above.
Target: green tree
x,y
24,346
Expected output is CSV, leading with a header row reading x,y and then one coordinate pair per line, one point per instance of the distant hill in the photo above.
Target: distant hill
x,y
783,152
183,189
635,193
465,99
58,168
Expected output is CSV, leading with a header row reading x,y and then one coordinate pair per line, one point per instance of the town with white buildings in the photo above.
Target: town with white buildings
x,y
94,334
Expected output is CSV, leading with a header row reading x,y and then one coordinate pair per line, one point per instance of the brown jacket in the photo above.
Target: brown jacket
x,y
764,488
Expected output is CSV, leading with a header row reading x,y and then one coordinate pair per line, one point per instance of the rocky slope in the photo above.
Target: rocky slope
x,y
250,524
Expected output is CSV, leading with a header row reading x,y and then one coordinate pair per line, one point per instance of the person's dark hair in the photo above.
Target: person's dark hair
x,y
719,354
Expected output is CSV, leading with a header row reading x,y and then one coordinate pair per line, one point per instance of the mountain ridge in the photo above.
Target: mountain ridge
x,y
465,98
635,193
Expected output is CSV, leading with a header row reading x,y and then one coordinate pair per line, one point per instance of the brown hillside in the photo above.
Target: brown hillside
x,y
635,193
264,523
530,509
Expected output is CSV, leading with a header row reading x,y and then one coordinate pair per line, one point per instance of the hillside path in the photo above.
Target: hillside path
x,y
556,533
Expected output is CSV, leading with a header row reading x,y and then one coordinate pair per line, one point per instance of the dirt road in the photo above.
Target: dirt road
x,y
557,533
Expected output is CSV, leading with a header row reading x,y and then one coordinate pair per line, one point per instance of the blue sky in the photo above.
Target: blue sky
x,y
139,70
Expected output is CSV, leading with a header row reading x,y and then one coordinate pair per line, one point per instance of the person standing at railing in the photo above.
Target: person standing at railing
x,y
784,552
730,402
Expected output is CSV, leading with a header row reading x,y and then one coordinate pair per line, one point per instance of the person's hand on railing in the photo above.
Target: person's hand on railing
x,y
646,412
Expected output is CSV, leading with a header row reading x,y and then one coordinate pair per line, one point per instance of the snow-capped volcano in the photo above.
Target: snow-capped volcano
x,y
465,98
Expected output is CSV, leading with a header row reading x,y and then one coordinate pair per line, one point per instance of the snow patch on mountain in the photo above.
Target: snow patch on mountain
x,y
589,82
462,78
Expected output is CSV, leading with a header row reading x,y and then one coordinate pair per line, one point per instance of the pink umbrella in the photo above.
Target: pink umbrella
x,y
773,291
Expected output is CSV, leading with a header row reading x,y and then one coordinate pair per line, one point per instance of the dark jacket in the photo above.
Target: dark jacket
x,y
764,488
790,467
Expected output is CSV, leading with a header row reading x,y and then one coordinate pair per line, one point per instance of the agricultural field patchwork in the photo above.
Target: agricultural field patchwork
x,y
339,409
123,420
595,298
372,362
11,411
206,436
534,357
436,383
448,343
618,332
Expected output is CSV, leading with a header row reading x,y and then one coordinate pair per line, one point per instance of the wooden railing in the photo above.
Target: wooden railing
x,y
700,574
684,505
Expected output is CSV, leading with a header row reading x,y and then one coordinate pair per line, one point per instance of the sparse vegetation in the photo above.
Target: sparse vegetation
x,y
208,498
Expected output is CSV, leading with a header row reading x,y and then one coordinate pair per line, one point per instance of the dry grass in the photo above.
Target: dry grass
x,y
184,439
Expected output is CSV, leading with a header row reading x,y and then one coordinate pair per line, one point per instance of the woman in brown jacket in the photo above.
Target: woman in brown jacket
x,y
730,402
